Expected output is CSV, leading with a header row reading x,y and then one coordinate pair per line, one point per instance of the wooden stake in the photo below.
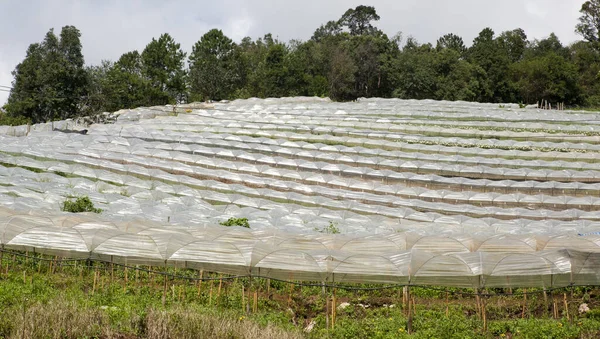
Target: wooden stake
x,y
524,303
249,295
326,311
545,302
211,292
95,279
446,304
243,302
255,305
101,280
409,308
268,288
200,282
164,296
483,312
478,304
112,270
566,305
126,279
333,310
220,285
289,301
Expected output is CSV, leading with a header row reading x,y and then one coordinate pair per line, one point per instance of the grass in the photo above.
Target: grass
x,y
96,300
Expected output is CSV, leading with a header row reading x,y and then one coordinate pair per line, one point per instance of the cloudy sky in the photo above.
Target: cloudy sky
x,y
111,27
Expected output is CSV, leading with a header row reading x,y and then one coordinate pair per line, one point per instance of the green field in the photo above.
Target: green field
x,y
82,299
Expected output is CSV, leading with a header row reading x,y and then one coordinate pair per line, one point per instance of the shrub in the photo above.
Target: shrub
x,y
6,119
242,222
81,204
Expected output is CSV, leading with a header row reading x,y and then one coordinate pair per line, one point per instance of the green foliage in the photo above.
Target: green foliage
x,y
332,228
215,67
9,120
81,204
589,21
358,20
453,42
95,299
242,222
345,59
51,81
162,66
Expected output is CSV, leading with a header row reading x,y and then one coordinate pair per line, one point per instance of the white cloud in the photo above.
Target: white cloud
x,y
112,27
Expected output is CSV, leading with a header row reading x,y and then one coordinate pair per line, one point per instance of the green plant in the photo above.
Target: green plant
x,y
332,228
81,204
6,119
242,222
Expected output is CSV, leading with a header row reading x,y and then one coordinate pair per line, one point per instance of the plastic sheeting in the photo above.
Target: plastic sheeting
x,y
406,258
423,192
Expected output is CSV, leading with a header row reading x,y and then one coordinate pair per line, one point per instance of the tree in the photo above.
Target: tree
x,y
162,62
358,20
456,79
453,42
549,77
97,99
341,75
125,86
215,67
331,28
51,82
276,71
513,44
589,21
587,61
415,75
372,56
551,44
73,77
26,95
487,54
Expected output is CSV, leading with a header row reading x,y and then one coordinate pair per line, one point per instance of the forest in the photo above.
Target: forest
x,y
345,59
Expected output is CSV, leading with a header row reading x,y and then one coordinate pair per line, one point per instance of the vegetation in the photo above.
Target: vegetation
x,y
242,222
7,120
344,59
332,228
54,299
80,205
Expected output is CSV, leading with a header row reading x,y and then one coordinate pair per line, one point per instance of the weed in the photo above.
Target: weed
x,y
332,228
242,222
81,204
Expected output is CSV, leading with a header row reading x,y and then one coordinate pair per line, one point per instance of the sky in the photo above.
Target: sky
x,y
110,28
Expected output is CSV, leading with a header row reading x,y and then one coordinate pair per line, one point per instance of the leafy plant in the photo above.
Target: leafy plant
x,y
81,204
332,228
242,222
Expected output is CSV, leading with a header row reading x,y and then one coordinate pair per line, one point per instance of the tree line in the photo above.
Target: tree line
x,y
344,59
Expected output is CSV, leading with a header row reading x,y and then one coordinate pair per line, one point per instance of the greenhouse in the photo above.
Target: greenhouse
x,y
382,191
